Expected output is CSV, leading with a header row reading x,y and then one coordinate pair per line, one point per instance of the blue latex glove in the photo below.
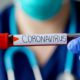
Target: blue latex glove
x,y
74,45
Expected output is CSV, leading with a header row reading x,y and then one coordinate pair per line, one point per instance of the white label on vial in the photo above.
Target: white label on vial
x,y
41,39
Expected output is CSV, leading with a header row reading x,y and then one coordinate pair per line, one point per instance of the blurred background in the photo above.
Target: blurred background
x,y
4,3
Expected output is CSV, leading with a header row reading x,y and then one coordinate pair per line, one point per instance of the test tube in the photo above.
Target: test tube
x,y
7,40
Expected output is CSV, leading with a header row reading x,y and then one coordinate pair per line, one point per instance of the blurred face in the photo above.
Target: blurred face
x,y
42,9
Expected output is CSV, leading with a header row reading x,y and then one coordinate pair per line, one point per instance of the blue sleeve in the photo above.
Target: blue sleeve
x,y
0,22
1,55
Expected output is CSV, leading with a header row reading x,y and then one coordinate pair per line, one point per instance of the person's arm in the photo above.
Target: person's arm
x,y
0,22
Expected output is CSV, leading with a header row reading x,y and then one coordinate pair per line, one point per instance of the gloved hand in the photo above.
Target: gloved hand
x,y
74,45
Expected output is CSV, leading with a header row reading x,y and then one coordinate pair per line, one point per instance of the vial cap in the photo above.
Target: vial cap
x,y
3,41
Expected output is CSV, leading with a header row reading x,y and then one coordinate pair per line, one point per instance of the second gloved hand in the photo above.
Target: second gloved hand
x,y
74,45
